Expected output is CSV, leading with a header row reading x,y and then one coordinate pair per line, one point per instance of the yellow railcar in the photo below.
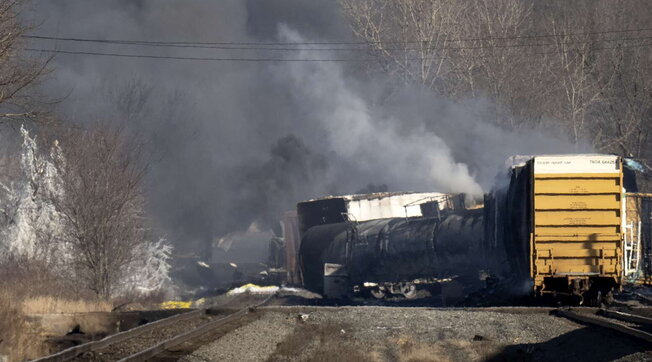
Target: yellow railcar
x,y
559,219
576,239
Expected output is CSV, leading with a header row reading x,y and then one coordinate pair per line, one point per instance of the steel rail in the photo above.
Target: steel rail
x,y
72,352
184,337
618,327
506,309
626,317
194,333
643,298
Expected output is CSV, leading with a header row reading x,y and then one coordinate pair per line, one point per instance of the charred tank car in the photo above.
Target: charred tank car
x,y
396,255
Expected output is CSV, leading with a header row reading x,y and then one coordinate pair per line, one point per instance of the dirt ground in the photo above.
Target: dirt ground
x,y
415,334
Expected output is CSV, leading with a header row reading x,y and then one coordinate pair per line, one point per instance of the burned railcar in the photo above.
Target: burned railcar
x,y
553,225
380,205
394,255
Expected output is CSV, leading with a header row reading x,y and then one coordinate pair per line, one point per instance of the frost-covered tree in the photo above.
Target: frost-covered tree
x,y
80,209
9,202
150,270
33,228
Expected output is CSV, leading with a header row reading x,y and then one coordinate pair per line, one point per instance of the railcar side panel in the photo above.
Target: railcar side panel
x,y
577,207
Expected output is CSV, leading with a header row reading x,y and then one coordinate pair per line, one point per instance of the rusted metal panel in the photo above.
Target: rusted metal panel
x,y
292,240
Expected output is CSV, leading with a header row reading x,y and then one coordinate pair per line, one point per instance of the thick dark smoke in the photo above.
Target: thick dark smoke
x,y
292,172
241,142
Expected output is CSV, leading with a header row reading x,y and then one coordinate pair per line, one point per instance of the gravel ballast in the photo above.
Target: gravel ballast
x,y
416,334
255,341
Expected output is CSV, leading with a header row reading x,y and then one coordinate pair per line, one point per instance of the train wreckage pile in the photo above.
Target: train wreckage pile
x,y
571,226
563,226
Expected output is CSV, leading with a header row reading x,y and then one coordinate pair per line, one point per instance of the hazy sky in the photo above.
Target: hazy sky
x,y
239,142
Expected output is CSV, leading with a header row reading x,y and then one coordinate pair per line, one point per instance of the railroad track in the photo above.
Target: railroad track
x,y
645,299
624,323
147,341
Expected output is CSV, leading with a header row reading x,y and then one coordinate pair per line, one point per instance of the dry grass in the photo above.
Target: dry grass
x,y
36,289
30,287
47,304
20,339
16,336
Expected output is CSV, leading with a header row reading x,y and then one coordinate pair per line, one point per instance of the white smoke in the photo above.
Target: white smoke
x,y
374,142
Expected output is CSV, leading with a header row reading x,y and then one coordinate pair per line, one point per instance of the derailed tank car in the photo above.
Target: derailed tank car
x,y
392,255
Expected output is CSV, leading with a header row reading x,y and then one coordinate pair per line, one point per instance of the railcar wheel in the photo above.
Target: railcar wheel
x,y
598,302
608,299
409,290
377,293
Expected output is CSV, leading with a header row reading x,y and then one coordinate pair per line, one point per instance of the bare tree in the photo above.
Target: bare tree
x,y
626,123
101,201
459,49
624,118
494,62
575,63
10,166
131,99
17,72
573,60
408,37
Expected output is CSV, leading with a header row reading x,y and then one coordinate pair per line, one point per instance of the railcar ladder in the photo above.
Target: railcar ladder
x,y
632,249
